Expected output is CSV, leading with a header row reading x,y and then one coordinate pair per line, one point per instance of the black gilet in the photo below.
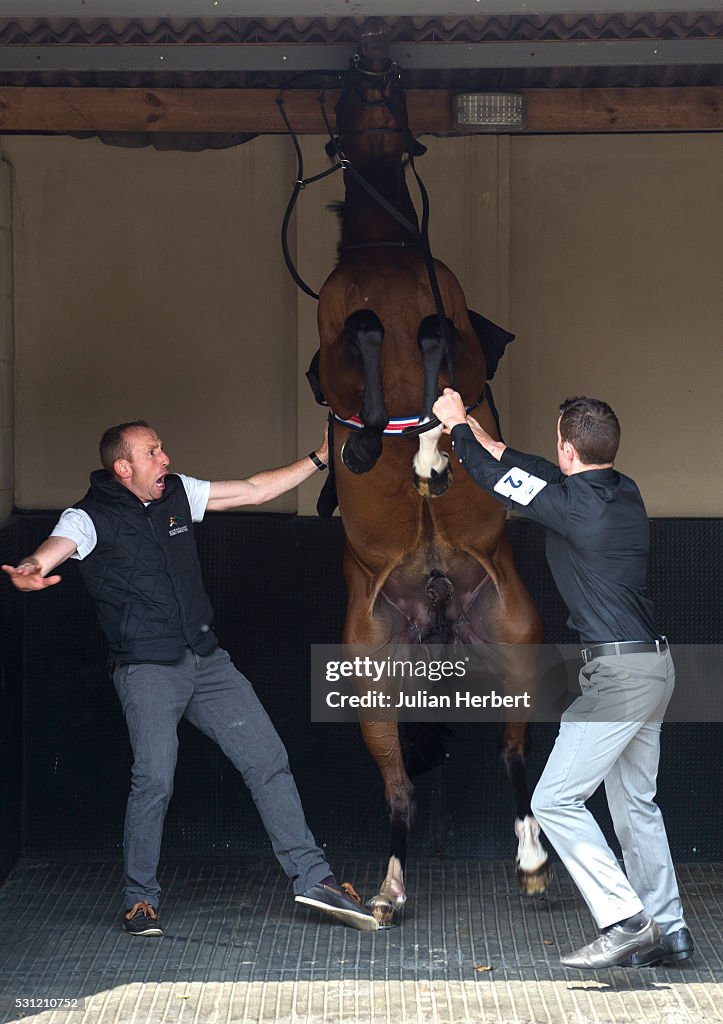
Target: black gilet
x,y
144,574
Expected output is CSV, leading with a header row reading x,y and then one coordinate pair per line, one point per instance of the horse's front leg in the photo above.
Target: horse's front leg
x,y
382,741
364,333
432,472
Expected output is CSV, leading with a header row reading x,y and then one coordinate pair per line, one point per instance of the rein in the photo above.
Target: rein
x,y
377,245
299,184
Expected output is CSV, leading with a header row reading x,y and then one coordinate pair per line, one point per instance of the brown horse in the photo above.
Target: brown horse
x,y
426,556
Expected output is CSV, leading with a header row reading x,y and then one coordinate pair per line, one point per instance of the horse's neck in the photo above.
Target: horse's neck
x,y
365,220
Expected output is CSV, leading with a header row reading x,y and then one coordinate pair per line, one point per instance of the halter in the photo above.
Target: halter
x,y
350,81
390,79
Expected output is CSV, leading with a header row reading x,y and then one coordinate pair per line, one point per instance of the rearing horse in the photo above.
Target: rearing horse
x,y
424,553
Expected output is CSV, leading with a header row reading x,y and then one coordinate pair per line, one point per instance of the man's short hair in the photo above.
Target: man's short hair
x,y
114,445
592,428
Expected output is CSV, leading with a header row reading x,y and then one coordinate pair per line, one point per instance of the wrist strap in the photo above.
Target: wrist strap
x,y
317,461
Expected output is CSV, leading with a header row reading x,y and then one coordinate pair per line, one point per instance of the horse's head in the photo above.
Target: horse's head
x,y
371,113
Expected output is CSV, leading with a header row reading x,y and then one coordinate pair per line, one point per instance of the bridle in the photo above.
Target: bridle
x,y
388,82
389,85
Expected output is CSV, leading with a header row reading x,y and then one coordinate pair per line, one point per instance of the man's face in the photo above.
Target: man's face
x,y
145,472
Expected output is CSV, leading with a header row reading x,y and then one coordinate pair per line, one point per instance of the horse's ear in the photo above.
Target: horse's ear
x,y
417,148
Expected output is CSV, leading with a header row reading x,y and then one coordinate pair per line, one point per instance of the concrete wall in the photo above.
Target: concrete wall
x,y
7,346
152,284
616,292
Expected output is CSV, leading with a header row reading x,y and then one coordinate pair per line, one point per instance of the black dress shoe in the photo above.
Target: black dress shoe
x,y
675,946
613,946
338,901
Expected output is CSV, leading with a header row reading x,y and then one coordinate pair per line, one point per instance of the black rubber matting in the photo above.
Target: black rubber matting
x,y
470,948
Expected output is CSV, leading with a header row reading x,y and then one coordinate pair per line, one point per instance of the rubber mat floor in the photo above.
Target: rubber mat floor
x,y
237,948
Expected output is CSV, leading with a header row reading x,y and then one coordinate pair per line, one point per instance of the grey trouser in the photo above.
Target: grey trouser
x,y
612,733
215,697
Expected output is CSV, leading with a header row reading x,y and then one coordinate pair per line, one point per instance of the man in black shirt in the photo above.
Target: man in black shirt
x,y
597,543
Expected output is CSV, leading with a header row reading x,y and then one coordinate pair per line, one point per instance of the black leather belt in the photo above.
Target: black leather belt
x,y
624,647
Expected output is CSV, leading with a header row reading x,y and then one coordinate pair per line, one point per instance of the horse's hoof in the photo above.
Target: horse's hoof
x,y
385,912
535,883
353,462
434,485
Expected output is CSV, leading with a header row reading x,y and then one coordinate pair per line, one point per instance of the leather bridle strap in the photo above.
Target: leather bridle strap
x,y
403,426
299,184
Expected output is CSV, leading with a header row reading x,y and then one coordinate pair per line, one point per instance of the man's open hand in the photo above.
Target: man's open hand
x,y
27,576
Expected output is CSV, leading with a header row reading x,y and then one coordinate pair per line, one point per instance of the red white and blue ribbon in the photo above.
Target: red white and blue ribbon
x,y
394,426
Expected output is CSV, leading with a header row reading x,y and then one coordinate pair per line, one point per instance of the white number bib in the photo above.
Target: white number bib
x,y
519,486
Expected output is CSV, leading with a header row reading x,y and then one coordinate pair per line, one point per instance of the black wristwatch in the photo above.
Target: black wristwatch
x,y
317,461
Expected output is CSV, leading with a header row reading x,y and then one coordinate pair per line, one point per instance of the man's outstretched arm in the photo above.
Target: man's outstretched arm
x,y
31,573
262,487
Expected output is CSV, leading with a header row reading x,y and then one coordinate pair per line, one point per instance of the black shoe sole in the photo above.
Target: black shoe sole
x,y
157,932
667,958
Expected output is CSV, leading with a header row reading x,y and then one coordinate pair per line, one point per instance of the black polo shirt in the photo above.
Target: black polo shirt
x,y
597,538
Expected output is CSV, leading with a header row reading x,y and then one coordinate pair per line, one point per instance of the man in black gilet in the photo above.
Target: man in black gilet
x,y
133,535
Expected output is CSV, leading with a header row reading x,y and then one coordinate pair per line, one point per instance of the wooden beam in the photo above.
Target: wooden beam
x,y
690,109
35,109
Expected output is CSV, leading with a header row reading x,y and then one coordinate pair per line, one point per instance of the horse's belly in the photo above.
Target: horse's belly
x,y
431,598
426,568
387,523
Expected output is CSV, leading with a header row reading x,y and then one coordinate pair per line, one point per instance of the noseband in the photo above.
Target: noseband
x,y
356,80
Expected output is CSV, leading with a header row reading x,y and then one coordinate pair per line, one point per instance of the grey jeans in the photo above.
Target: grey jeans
x,y
215,697
612,733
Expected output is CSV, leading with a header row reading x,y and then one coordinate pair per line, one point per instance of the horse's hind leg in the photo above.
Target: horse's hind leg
x,y
522,673
501,615
364,332
381,737
382,740
532,865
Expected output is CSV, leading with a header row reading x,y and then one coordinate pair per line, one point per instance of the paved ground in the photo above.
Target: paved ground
x,y
237,949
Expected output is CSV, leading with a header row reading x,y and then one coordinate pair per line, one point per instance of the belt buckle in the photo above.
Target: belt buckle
x,y
585,652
